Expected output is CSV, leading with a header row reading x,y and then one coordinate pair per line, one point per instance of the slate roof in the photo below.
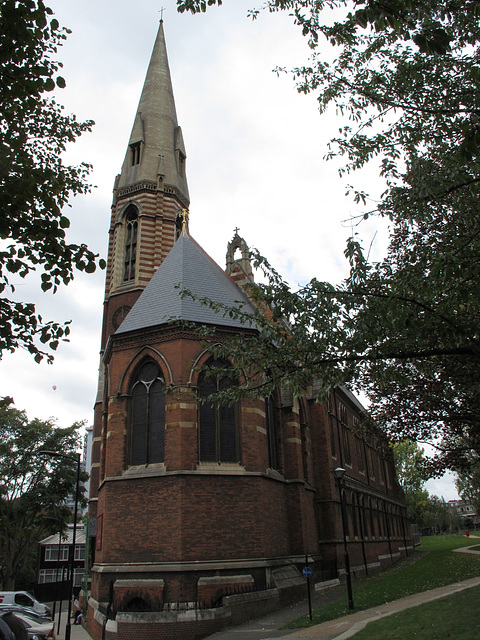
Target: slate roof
x,y
187,265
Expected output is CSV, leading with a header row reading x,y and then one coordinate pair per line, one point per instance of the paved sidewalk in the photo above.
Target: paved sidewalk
x,y
77,632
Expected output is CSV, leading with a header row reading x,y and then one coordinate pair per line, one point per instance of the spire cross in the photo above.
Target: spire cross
x,y
236,230
162,9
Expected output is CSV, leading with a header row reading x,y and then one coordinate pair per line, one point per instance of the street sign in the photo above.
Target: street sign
x,y
307,572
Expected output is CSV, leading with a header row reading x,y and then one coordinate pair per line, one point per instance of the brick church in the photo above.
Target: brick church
x,y
206,515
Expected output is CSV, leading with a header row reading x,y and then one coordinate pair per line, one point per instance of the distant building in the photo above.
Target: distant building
x,y
85,466
87,456
465,510
53,568
194,502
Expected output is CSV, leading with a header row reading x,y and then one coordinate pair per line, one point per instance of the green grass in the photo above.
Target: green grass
x,y
451,617
436,566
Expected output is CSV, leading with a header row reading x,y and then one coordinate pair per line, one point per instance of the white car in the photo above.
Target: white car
x,y
23,599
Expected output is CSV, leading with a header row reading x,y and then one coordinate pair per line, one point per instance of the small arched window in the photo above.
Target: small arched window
x,y
218,424
130,252
147,416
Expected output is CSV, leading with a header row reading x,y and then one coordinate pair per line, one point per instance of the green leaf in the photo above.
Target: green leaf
x,y
49,84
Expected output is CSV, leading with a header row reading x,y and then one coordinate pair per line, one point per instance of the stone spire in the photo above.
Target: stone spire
x,y
156,153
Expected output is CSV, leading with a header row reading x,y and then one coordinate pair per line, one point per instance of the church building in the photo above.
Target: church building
x,y
205,515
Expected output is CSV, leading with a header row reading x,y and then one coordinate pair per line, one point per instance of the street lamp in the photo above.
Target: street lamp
x,y
76,459
339,474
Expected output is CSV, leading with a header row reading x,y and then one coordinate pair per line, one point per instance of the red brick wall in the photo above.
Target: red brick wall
x,y
193,517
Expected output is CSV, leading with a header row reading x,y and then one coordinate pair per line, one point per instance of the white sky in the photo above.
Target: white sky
x,y
255,152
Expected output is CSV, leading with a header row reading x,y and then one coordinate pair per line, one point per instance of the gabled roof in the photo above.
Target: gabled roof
x,y
186,266
67,536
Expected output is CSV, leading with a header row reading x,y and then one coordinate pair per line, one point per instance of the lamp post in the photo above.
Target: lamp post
x,y
339,474
77,460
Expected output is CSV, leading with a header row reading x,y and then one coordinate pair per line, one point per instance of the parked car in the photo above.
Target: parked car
x,y
11,628
24,599
26,610
37,627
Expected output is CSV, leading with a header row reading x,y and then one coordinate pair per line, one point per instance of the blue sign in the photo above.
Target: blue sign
x,y
307,572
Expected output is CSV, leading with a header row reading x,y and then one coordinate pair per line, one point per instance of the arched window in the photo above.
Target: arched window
x,y
131,228
305,444
218,430
271,421
147,417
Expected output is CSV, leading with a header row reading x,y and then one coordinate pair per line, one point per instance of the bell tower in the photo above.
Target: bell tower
x,y
150,203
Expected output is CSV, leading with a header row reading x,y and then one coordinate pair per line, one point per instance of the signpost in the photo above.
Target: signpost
x,y
307,573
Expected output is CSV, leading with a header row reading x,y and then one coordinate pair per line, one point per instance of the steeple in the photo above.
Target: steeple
x,y
156,151
150,198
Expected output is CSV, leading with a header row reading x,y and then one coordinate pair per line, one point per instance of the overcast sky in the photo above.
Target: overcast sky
x,y
255,149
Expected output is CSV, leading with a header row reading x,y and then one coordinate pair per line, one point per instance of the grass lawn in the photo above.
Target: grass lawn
x,y
436,566
452,617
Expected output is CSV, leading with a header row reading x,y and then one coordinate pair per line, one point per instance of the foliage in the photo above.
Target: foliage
x,y
35,184
437,568
409,459
33,488
468,486
405,330
437,517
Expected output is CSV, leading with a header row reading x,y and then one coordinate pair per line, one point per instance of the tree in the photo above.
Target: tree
x,y
35,184
468,486
409,459
406,80
33,488
437,516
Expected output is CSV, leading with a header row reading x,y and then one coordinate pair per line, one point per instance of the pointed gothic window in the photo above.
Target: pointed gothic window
x,y
147,416
131,228
305,440
218,430
178,226
271,420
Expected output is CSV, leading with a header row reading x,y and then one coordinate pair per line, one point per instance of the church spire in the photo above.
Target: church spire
x,y
156,152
